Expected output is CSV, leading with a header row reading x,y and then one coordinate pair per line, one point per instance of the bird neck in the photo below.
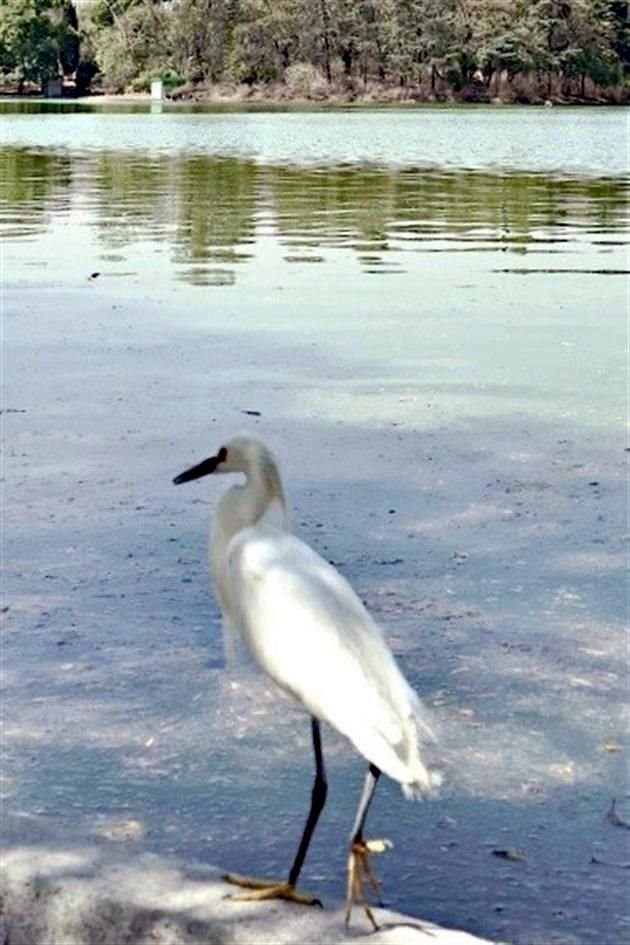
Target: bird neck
x,y
244,505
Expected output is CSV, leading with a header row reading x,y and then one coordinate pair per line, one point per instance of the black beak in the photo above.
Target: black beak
x,y
204,468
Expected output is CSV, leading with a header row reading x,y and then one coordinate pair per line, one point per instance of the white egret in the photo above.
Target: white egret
x,y
311,634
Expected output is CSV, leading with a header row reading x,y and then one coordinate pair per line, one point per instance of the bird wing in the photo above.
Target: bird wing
x,y
309,631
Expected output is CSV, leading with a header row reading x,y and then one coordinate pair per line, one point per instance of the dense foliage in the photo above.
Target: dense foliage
x,y
465,48
38,39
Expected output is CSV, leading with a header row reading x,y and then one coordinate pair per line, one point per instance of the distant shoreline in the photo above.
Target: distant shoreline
x,y
278,95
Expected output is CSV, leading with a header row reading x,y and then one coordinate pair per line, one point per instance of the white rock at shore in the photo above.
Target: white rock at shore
x,y
58,891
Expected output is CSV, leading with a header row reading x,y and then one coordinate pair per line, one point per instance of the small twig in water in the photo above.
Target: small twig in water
x,y
619,866
514,856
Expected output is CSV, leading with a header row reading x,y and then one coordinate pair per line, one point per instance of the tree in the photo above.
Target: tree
x,y
621,33
32,36
591,53
266,39
69,38
579,40
134,42
465,47
202,38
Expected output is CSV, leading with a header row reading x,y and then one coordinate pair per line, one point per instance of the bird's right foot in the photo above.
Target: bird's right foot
x,y
261,889
360,871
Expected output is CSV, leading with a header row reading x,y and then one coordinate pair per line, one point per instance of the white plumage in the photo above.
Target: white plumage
x,y
308,630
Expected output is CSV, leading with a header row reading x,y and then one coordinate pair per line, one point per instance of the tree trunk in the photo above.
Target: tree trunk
x,y
282,50
326,38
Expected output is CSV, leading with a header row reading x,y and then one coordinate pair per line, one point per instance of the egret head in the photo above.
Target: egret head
x,y
241,454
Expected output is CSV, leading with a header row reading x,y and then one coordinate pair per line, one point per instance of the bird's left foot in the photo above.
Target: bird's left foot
x,y
261,889
359,871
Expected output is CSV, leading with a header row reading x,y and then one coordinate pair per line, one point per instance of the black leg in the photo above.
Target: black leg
x,y
318,799
369,787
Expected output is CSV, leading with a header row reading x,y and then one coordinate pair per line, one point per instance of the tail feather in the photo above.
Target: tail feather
x,y
424,781
425,785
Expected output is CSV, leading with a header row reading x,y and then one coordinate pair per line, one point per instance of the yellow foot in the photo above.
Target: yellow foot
x,y
260,889
360,870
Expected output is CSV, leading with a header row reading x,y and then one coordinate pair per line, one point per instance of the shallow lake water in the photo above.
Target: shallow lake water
x,y
424,310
